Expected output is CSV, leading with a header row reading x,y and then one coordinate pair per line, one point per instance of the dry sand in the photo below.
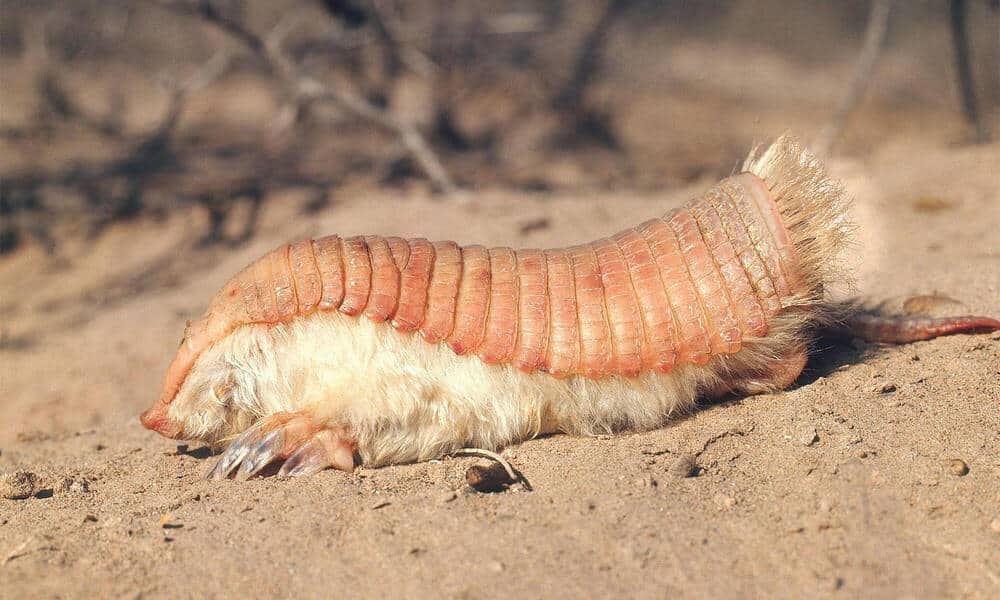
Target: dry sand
x,y
844,486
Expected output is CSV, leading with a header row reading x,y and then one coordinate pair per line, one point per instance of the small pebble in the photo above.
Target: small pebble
x,y
448,497
995,525
932,304
380,504
808,436
957,467
645,482
90,519
488,479
887,388
835,584
684,466
823,409
77,486
18,485
496,566
724,502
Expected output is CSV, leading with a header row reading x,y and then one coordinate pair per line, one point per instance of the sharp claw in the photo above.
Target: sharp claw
x,y
235,453
308,459
261,454
272,437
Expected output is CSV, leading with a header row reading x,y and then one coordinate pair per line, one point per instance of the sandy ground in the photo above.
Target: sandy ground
x,y
868,506
844,486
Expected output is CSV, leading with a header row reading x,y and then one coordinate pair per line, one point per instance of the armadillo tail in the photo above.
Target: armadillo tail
x,y
886,329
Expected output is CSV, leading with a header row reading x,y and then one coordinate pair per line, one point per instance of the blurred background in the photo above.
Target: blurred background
x,y
111,111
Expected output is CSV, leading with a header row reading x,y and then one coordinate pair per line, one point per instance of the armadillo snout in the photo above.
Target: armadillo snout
x,y
156,419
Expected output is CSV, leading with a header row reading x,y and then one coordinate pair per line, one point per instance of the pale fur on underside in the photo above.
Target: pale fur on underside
x,y
407,400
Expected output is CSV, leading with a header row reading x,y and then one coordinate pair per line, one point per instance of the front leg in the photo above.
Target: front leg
x,y
306,446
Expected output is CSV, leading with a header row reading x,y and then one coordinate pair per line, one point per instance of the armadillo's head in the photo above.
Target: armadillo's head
x,y
221,381
189,407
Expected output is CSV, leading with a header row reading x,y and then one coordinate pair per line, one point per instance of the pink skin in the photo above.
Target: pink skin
x,y
903,330
198,335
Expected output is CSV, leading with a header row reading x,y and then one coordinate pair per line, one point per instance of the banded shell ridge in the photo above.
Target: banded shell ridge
x,y
695,283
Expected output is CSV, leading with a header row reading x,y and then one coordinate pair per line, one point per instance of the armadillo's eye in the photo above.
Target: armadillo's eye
x,y
223,390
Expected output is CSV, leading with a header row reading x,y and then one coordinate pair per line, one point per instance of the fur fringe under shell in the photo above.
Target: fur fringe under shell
x,y
814,209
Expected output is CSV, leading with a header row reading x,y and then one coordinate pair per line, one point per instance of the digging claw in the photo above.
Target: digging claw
x,y
262,454
310,458
236,452
309,449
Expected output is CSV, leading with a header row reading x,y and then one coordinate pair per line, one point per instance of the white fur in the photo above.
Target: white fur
x,y
407,400
403,398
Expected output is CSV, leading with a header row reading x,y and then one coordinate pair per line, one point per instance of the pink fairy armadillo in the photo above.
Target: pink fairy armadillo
x,y
332,351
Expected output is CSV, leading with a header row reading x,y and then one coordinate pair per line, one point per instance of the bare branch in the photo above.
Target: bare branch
x,y
963,66
871,50
390,32
307,88
207,73
587,64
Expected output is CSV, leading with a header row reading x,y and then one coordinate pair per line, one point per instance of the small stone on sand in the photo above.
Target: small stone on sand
x,y
73,485
488,479
958,467
808,436
645,482
18,485
684,466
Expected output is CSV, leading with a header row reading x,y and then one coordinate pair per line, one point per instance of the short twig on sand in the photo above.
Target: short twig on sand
x,y
491,455
17,552
878,24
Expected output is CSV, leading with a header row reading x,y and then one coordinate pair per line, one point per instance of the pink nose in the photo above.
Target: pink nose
x,y
156,420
